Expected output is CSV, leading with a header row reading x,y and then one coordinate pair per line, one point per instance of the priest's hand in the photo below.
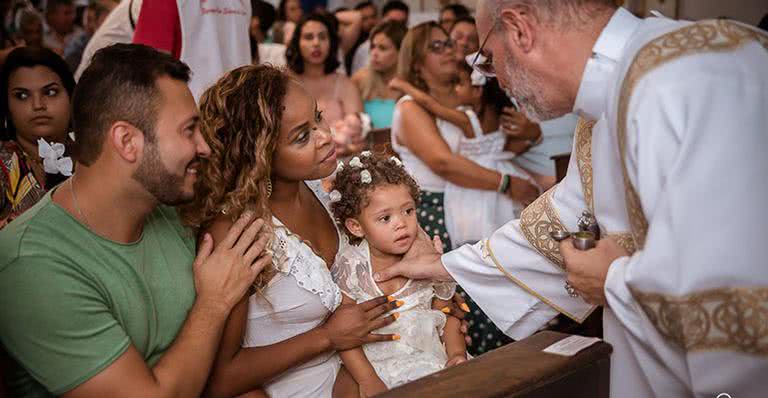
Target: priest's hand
x,y
422,261
587,270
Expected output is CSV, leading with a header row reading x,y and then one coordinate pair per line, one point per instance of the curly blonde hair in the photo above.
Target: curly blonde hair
x,y
240,119
355,193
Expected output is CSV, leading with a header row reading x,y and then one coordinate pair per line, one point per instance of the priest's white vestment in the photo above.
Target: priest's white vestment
x,y
672,158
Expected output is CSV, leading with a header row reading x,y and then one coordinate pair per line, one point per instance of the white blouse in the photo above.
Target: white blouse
x,y
298,299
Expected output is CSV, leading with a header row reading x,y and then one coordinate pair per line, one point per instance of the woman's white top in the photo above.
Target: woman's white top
x,y
420,351
298,299
428,181
473,214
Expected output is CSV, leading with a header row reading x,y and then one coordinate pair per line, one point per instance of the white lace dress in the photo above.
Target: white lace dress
x,y
474,214
419,352
297,300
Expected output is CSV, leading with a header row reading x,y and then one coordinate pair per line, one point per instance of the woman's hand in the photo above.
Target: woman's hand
x,y
348,135
516,125
351,325
399,84
522,191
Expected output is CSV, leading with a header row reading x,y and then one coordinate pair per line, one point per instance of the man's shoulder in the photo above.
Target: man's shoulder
x,y
29,230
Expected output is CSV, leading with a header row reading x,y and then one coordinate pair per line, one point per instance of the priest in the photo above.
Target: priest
x,y
669,166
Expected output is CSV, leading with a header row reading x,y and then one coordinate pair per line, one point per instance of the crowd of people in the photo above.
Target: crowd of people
x,y
190,202
343,73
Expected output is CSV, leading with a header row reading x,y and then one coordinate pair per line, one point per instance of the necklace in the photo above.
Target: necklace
x,y
74,200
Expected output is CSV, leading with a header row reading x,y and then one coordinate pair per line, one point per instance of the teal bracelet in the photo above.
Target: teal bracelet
x,y
504,184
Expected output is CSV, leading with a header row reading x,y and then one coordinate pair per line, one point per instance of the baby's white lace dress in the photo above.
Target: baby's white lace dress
x,y
420,351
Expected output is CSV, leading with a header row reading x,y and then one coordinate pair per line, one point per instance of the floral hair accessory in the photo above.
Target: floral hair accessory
x,y
340,167
365,154
335,196
355,162
396,161
54,161
365,177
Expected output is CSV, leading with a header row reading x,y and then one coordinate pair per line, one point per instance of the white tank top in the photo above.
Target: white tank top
x,y
428,181
214,39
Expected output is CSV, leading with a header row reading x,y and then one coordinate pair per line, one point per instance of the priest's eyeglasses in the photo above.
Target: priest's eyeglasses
x,y
480,62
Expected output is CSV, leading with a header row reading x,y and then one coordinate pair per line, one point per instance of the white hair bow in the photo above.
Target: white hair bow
x,y
54,161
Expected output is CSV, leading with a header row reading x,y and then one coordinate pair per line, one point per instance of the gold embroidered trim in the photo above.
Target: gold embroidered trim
x,y
584,159
625,240
733,319
487,250
704,36
537,221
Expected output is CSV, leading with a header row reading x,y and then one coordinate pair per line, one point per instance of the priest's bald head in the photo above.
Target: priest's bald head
x,y
539,48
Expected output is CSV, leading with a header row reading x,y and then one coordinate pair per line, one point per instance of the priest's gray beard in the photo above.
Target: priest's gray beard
x,y
525,89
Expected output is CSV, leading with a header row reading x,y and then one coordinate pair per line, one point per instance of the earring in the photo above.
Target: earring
x,y
269,187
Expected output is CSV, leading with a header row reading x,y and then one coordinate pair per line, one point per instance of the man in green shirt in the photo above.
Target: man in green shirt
x,y
101,291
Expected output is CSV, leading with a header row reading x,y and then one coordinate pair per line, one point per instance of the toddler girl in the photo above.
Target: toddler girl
x,y
374,200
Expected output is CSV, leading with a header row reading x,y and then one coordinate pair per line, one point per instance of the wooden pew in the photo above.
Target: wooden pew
x,y
380,141
561,164
520,369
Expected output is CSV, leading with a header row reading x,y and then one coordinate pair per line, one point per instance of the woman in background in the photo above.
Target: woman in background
x,y
373,80
311,55
36,86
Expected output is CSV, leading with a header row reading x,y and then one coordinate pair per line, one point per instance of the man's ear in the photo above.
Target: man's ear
x,y
127,141
354,227
520,26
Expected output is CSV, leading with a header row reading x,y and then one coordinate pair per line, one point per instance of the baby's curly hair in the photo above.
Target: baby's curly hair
x,y
354,192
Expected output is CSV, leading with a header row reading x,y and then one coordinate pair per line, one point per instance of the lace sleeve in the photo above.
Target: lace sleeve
x,y
344,276
444,290
352,273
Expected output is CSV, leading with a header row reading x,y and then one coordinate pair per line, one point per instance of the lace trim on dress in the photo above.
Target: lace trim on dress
x,y
293,256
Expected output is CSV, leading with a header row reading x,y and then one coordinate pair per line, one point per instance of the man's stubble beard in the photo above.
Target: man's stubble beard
x,y
526,91
167,188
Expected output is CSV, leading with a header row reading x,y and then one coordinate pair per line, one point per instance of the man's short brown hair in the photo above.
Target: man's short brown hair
x,y
119,85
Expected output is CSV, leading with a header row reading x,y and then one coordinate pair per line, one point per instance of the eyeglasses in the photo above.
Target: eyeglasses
x,y
438,46
480,62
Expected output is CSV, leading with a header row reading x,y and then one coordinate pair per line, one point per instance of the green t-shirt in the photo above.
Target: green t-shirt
x,y
71,302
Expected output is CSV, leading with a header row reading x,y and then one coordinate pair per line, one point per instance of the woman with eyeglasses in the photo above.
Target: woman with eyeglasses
x,y
36,86
428,146
311,55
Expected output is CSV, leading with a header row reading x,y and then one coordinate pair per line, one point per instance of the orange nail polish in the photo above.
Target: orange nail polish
x,y
400,303
464,307
390,299
446,310
396,337
396,315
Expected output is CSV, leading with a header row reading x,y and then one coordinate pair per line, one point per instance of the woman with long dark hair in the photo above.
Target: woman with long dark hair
x,y
312,55
36,86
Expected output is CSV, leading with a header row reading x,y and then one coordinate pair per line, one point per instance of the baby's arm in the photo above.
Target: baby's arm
x,y
453,116
361,369
455,346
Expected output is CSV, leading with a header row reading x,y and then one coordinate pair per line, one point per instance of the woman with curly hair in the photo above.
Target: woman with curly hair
x,y
268,157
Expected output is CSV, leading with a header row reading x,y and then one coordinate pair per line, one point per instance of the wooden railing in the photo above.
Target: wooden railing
x,y
520,369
